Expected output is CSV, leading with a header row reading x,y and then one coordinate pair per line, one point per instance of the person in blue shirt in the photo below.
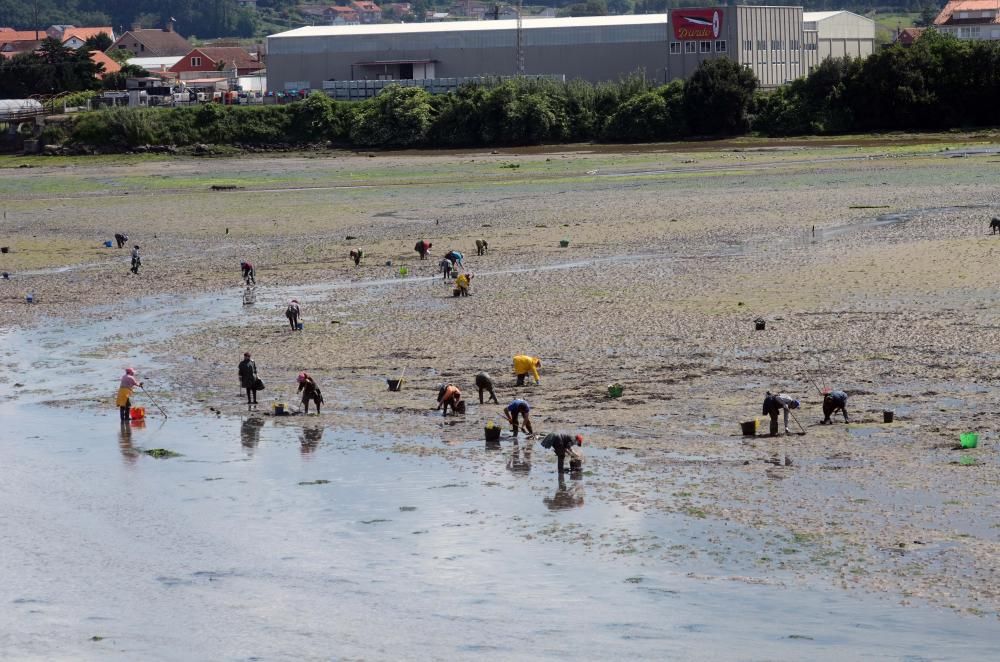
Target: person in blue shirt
x,y
518,408
455,258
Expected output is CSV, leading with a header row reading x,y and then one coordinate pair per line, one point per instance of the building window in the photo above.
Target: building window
x,y
794,45
761,45
720,46
675,48
969,32
706,46
748,45
196,62
775,44
690,47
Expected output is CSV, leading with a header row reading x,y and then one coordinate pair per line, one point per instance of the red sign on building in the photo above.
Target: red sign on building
x,y
696,23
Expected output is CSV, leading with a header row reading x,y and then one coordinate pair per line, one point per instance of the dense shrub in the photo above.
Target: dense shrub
x,y
937,83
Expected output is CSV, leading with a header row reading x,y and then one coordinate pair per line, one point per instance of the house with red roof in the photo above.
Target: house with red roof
x,y
970,19
76,37
368,12
337,15
907,36
213,59
110,66
156,42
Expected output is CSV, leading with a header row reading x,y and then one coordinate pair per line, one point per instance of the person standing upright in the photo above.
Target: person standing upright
x,y
248,378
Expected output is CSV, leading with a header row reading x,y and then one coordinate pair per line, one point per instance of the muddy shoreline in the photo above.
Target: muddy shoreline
x,y
667,266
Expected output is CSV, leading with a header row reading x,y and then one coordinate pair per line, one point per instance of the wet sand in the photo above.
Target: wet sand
x,y
671,257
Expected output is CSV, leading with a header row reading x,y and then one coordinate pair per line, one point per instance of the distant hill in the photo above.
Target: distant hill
x,y
203,18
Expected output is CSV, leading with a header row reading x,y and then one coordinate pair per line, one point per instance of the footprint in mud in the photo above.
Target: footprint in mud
x,y
374,521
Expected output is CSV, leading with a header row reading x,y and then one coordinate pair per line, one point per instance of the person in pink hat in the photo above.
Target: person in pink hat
x,y
124,398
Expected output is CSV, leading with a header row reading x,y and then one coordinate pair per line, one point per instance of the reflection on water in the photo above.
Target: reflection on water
x,y
129,454
519,461
310,438
565,498
250,433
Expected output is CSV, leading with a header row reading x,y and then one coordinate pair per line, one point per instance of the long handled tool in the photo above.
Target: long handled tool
x,y
400,385
794,418
151,399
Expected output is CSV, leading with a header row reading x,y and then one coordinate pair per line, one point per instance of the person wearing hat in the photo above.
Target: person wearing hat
x,y
833,401
450,396
136,259
124,397
292,313
561,444
485,383
455,257
248,378
774,404
526,365
310,391
518,408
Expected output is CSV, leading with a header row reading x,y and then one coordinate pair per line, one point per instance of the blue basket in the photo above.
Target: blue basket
x,y
108,244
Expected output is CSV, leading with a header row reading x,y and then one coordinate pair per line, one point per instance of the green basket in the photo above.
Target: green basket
x,y
403,272
615,390
564,243
969,439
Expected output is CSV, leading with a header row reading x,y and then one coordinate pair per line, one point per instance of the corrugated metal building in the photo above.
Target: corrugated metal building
x,y
596,48
779,43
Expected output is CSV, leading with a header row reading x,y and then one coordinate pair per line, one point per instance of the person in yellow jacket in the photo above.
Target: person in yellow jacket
x,y
124,397
526,365
462,284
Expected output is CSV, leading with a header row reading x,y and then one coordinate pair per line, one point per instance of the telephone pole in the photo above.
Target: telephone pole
x,y
519,64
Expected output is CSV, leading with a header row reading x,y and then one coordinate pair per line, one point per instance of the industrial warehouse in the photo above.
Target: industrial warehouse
x,y
779,43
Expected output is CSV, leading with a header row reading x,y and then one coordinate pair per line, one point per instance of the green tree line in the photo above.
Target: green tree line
x,y
205,18
938,83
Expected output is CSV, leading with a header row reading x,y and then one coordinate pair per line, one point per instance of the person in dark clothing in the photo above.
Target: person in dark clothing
x,y
833,401
121,239
485,383
310,391
774,404
249,275
455,257
136,260
482,248
518,408
292,312
561,444
423,248
356,255
248,378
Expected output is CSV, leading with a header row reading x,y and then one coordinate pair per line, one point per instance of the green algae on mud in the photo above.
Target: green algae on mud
x,y
159,453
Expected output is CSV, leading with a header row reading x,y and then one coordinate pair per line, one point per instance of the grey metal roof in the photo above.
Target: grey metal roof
x,y
470,26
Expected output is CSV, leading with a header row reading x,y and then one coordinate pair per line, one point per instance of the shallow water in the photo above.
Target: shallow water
x,y
225,550
238,549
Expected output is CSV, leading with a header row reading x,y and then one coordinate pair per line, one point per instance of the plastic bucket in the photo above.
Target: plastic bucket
x,y
108,244
492,434
759,325
564,243
278,408
615,390
749,428
30,298
969,439
137,413
456,292
298,326
403,272
4,249
394,384
887,416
